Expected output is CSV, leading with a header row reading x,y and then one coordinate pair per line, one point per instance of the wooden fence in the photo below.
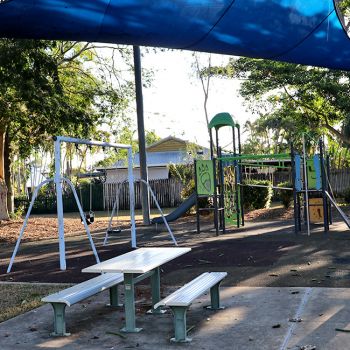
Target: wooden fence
x,y
339,179
167,192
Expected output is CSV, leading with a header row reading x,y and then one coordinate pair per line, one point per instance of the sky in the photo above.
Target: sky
x,y
173,105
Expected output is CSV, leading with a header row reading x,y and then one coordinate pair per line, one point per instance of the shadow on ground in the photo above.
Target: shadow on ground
x,y
260,254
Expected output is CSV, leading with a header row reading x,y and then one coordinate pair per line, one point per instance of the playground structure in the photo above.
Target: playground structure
x,y
218,183
220,180
59,180
88,217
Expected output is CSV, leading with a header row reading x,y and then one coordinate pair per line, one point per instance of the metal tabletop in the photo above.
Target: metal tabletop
x,y
138,261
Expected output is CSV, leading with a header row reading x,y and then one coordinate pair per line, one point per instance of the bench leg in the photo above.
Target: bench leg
x,y
59,321
180,324
215,297
129,292
155,286
113,297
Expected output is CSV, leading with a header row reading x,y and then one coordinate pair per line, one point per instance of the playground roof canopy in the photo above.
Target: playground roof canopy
x,y
222,119
301,31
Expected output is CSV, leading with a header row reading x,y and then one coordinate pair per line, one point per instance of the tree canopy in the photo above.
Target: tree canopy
x,y
49,88
292,99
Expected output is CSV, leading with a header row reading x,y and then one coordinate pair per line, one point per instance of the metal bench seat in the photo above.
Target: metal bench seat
x,y
181,299
79,292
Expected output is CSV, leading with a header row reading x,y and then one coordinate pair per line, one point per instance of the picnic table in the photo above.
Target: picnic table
x,y
136,266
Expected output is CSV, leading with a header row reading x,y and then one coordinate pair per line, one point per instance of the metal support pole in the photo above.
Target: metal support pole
x,y
295,200
141,135
240,173
221,193
236,174
211,144
215,200
220,183
299,212
329,189
324,188
59,200
132,199
306,188
197,204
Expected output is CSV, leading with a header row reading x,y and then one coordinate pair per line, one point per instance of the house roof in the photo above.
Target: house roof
x,y
169,150
170,144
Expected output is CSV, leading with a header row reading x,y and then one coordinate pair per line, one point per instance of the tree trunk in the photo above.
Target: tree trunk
x,y
3,188
8,177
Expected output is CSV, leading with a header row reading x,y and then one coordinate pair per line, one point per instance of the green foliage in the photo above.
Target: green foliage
x,y
19,212
151,137
60,88
188,189
285,196
34,102
182,172
291,99
53,87
257,197
344,6
347,195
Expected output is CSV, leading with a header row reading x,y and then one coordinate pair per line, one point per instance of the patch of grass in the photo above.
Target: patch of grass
x,y
16,299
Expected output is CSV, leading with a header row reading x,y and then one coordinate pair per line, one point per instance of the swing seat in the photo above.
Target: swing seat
x,y
89,220
91,215
114,230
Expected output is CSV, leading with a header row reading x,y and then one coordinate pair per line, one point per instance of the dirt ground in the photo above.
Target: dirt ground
x,y
46,226
263,253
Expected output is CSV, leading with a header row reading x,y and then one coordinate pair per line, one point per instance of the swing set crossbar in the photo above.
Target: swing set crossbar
x,y
90,142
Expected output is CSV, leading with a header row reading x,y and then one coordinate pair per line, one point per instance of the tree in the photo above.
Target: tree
x,y
313,99
151,137
343,11
204,75
50,88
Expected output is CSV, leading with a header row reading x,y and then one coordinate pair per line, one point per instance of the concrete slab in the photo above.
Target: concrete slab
x,y
247,322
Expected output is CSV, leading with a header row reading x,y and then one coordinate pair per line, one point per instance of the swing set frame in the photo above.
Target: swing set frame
x,y
58,180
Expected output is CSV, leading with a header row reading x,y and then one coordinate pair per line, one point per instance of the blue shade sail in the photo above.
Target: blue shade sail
x,y
299,31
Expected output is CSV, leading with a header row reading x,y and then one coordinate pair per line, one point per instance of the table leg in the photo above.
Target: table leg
x,y
129,292
155,286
